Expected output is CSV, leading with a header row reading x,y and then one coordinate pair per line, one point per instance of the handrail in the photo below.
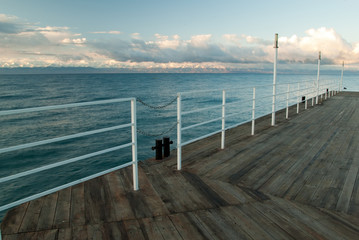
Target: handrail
x,y
59,139
70,105
132,144
287,97
38,195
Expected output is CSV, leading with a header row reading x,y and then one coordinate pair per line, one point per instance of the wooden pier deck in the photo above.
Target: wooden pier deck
x,y
296,180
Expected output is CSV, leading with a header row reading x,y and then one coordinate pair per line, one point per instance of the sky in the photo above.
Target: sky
x,y
178,34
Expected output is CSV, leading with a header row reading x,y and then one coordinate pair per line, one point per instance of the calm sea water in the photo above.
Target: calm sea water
x,y
22,91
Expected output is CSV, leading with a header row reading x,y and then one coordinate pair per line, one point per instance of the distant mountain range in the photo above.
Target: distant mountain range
x,y
89,70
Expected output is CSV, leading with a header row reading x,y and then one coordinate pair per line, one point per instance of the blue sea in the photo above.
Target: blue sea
x,y
24,91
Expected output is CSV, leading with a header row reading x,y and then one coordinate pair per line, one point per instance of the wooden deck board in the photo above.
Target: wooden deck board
x,y
297,180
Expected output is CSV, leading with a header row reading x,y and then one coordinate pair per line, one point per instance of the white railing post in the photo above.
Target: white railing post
x,y
298,99
253,110
179,132
313,98
319,58
274,76
134,144
287,108
223,135
306,96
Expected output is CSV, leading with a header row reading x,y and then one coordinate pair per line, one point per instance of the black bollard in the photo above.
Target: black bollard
x,y
158,148
166,146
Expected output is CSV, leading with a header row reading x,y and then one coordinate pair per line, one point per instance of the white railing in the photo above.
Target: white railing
x,y
133,144
285,96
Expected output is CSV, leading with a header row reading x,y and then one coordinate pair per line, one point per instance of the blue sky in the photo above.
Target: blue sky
x,y
176,34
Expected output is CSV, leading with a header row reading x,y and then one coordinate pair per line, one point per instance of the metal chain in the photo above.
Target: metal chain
x,y
156,107
156,135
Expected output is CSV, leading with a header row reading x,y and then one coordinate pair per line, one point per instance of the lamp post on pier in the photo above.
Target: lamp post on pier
x,y
274,76
319,58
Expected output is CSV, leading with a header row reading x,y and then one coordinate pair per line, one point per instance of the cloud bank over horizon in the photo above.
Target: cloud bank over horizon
x,y
25,44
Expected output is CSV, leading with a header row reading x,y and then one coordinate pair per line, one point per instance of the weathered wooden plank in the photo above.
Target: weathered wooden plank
x,y
154,202
115,230
46,235
96,231
121,203
13,218
347,191
249,226
166,192
308,165
260,220
31,218
185,227
296,161
312,217
292,225
166,227
63,209
77,205
47,214
219,225
204,189
230,193
108,207
27,235
79,232
150,229
185,192
136,199
94,201
133,230
38,235
64,234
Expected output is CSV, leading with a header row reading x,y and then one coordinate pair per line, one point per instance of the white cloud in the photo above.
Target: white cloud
x,y
233,38
333,47
77,41
200,41
108,32
164,41
26,44
136,35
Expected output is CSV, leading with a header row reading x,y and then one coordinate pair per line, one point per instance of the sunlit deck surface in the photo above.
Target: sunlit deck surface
x,y
296,180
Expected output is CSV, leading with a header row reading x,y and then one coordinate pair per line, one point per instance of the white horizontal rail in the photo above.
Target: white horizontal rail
x,y
70,105
241,88
202,123
38,195
47,167
58,139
